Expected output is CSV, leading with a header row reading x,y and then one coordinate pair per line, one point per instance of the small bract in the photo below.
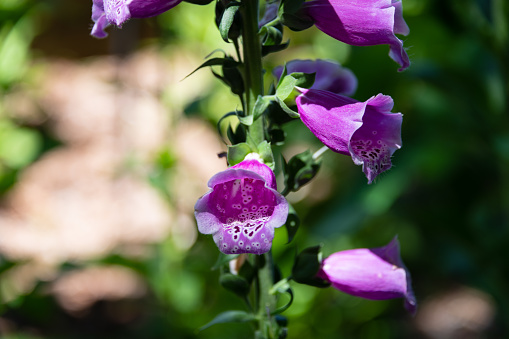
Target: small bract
x,y
242,208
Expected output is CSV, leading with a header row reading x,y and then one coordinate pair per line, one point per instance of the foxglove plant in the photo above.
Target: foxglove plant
x,y
243,206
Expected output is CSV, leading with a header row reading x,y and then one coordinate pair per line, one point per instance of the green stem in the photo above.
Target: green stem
x,y
253,71
253,81
266,301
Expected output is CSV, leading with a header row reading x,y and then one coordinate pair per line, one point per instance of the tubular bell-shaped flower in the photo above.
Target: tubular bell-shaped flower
x,y
242,208
362,23
106,12
329,75
376,274
367,131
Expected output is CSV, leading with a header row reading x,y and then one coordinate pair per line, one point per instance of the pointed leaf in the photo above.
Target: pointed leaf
x,y
230,317
235,284
292,223
224,259
306,266
216,62
287,110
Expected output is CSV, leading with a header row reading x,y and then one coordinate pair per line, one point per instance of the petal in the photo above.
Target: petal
x,y
375,274
362,23
99,18
238,239
207,222
330,75
373,144
400,26
332,118
117,11
242,209
149,8
261,169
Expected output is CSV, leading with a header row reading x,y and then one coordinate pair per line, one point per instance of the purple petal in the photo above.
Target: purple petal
x,y
106,12
367,131
332,118
362,23
242,209
330,76
375,274
150,8
99,18
373,144
117,11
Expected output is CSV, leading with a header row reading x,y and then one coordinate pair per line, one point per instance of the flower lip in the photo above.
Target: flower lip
x,y
242,208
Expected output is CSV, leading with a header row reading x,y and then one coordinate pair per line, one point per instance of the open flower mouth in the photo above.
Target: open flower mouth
x,y
244,207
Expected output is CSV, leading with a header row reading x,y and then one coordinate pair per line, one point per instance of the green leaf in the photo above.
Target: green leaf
x,y
290,81
238,136
277,136
300,170
224,259
237,153
261,105
229,114
292,223
247,271
290,6
306,266
227,20
230,317
292,16
227,61
286,109
265,151
235,283
274,48
285,306
271,36
285,87
248,121
233,78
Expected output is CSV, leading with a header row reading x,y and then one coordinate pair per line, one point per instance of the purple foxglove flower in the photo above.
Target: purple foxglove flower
x,y
367,131
242,208
362,23
330,76
106,12
376,274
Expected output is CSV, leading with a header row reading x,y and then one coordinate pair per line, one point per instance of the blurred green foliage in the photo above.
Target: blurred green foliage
x,y
447,196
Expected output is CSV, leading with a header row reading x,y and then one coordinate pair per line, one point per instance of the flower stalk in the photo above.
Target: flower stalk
x,y
253,83
253,71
